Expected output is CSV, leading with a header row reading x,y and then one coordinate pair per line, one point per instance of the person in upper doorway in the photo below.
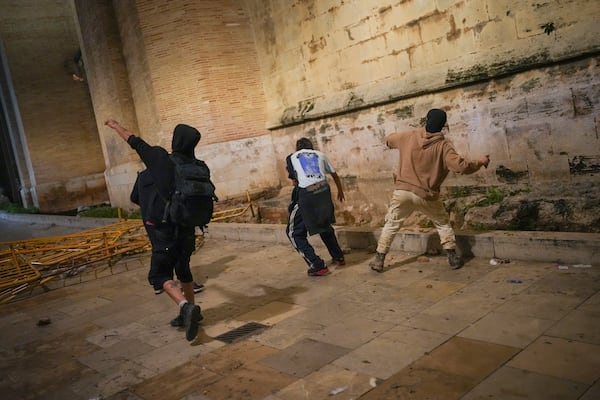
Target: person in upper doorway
x,y
311,210
172,245
426,158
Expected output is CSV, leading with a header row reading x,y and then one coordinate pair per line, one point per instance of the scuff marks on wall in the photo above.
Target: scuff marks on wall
x,y
354,101
530,85
350,182
454,33
582,103
316,44
583,165
295,114
405,112
324,128
506,175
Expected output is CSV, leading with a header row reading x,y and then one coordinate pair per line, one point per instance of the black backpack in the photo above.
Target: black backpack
x,y
192,202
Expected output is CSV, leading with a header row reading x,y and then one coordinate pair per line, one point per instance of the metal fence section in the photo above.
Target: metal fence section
x,y
26,264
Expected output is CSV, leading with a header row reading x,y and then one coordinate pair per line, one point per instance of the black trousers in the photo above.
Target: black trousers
x,y
172,248
298,235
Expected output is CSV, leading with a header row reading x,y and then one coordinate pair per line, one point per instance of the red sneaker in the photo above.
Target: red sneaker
x,y
318,272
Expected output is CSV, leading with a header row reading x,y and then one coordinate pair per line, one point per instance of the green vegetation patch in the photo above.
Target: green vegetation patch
x,y
108,212
17,209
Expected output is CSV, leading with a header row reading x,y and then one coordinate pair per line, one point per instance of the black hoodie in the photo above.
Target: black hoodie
x,y
185,139
155,184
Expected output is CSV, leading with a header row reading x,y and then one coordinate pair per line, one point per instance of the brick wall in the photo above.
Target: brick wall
x,y
203,68
58,120
196,63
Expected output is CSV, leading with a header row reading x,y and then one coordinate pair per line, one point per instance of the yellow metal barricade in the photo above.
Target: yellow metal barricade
x,y
25,264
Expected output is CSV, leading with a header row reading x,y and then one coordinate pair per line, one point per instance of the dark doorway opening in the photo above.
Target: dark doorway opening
x,y
9,177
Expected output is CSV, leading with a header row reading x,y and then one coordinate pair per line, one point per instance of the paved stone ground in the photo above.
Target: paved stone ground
x,y
417,331
10,230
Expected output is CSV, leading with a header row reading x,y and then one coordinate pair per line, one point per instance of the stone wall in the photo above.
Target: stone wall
x,y
519,80
540,128
40,40
321,57
111,90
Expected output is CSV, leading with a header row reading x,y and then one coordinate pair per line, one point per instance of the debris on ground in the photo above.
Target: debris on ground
x,y
423,259
573,266
496,261
338,390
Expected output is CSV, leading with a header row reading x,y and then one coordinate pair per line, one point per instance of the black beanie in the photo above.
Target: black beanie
x,y
436,119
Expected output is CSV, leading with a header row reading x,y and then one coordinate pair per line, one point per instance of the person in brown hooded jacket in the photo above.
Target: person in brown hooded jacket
x,y
426,158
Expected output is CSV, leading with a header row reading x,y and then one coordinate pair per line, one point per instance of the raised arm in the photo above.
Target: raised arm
x,y
124,133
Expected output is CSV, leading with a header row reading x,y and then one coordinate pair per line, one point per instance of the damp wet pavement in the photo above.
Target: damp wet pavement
x,y
522,329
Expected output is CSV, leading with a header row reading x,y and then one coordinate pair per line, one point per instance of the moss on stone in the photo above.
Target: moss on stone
x,y
480,71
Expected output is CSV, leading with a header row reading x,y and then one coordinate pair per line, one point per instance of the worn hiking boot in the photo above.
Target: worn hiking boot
x,y
454,259
377,263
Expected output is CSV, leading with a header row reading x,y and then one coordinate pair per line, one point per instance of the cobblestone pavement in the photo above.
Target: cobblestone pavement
x,y
417,331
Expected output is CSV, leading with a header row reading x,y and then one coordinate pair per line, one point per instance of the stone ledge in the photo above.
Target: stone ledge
x,y
563,247
555,247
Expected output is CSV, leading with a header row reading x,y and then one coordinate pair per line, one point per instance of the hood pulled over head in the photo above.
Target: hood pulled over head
x,y
436,119
185,139
429,139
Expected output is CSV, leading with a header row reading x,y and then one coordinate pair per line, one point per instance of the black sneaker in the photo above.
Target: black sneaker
x,y
454,259
158,291
198,287
177,322
191,317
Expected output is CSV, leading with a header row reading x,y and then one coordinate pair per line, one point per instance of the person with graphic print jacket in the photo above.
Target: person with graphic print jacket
x,y
311,210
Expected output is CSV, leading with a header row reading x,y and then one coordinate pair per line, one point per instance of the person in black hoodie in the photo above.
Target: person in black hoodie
x,y
172,245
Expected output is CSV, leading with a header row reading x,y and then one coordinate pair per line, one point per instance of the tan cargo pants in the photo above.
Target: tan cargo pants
x,y
403,204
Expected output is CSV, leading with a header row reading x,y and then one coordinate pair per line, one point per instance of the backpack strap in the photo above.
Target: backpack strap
x,y
167,202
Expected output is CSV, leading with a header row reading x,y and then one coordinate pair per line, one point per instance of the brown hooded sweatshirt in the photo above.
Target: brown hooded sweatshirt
x,y
425,160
